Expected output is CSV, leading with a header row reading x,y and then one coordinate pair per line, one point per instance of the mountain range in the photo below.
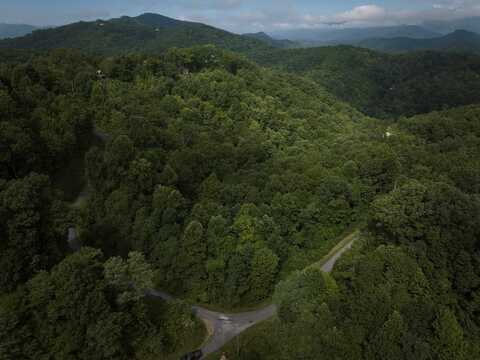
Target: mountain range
x,y
445,27
460,40
154,33
147,33
349,36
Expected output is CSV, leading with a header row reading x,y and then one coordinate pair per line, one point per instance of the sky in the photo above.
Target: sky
x,y
244,15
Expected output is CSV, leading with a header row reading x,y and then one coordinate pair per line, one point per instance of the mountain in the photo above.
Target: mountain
x,y
445,27
459,40
15,30
353,35
283,44
147,33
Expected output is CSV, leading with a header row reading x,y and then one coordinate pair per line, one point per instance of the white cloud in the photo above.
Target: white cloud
x,y
364,13
287,17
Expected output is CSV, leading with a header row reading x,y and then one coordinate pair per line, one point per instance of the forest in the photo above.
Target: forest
x,y
220,177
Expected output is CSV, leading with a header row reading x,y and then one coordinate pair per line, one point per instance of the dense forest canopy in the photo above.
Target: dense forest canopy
x,y
410,289
382,85
378,85
199,172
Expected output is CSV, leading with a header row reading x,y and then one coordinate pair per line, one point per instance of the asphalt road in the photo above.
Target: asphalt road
x,y
225,327
332,260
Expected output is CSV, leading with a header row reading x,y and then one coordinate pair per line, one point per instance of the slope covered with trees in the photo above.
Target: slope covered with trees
x,y
379,85
384,85
224,174
411,288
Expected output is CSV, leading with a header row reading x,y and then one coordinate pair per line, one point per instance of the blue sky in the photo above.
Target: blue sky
x,y
245,15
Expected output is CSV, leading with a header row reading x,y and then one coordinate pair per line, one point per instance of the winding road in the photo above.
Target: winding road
x,y
224,327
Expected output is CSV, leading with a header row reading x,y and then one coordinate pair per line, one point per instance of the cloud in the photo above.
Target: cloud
x,y
288,17
364,13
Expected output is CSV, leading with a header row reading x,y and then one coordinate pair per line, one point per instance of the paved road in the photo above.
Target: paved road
x,y
224,327
332,260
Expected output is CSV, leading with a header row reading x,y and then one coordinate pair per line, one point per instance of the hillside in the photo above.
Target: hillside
x,y
391,296
217,178
147,33
15,30
460,41
384,85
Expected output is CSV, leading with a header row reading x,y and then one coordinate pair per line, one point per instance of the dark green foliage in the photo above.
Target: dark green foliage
x,y
216,179
33,229
74,312
213,171
383,85
410,290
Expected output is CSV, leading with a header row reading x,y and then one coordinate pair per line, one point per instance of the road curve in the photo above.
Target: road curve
x,y
225,327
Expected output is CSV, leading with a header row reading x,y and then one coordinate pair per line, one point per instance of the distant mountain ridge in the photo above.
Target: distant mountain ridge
x,y
283,44
460,40
471,24
147,33
349,36
15,30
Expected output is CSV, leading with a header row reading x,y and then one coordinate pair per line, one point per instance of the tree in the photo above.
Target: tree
x,y
262,274
193,252
448,341
33,229
129,278
69,313
388,343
